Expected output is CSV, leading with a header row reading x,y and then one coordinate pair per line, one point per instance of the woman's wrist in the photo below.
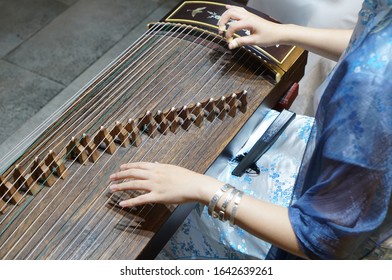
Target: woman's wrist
x,y
288,34
208,190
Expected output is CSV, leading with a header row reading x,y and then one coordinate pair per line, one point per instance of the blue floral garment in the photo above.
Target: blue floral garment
x,y
342,205
202,237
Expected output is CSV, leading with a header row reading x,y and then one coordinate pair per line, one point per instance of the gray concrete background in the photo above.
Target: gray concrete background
x,y
50,49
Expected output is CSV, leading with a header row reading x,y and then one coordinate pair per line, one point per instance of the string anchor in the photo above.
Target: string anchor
x,y
186,119
56,165
210,109
134,133
90,148
25,181
197,114
242,98
41,172
148,125
119,135
76,151
8,192
163,123
172,116
105,141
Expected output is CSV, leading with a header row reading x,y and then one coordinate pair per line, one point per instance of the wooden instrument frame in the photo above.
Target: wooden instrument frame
x,y
235,118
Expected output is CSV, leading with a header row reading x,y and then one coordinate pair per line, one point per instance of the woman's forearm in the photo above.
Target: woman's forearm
x,y
269,222
265,220
329,43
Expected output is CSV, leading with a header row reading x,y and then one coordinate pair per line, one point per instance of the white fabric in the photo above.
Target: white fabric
x,y
313,13
202,237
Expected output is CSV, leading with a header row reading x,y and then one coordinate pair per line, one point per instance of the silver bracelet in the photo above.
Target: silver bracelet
x,y
215,199
229,198
237,201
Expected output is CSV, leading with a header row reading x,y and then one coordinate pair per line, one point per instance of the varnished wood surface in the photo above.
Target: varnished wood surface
x,y
77,218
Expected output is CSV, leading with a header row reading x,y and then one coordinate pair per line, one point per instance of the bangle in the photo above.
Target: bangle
x,y
215,199
229,198
237,201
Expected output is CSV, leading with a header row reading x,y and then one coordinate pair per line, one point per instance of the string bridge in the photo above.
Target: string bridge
x,y
86,148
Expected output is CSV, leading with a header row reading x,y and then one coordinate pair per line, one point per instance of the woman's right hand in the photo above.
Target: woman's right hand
x,y
263,33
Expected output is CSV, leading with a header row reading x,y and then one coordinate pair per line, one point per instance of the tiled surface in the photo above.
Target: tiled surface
x,y
63,49
50,49
37,76
67,2
17,99
21,19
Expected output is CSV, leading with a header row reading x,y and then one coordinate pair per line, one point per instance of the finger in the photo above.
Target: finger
x,y
236,9
137,201
237,26
232,43
137,165
221,29
231,14
131,185
141,174
241,41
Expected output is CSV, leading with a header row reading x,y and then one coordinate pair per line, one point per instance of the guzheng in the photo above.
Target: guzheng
x,y
177,96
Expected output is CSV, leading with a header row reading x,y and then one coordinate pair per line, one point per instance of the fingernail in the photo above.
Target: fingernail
x,y
233,45
113,187
122,204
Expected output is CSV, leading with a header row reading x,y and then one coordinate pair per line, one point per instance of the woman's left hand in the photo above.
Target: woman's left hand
x,y
163,183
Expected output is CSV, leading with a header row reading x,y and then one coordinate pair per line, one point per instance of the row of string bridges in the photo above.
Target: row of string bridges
x,y
9,191
159,27
241,107
217,104
86,148
241,102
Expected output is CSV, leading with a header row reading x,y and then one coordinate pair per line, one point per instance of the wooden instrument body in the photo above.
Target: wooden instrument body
x,y
71,214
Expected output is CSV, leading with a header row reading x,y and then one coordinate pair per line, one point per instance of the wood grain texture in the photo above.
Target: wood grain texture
x,y
171,67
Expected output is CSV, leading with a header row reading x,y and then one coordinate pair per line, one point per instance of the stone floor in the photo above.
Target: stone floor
x,y
49,49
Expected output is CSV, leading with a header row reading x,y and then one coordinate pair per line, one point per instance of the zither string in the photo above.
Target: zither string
x,y
102,219
57,139
121,109
76,127
86,237
77,121
125,231
132,109
55,114
169,82
64,238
